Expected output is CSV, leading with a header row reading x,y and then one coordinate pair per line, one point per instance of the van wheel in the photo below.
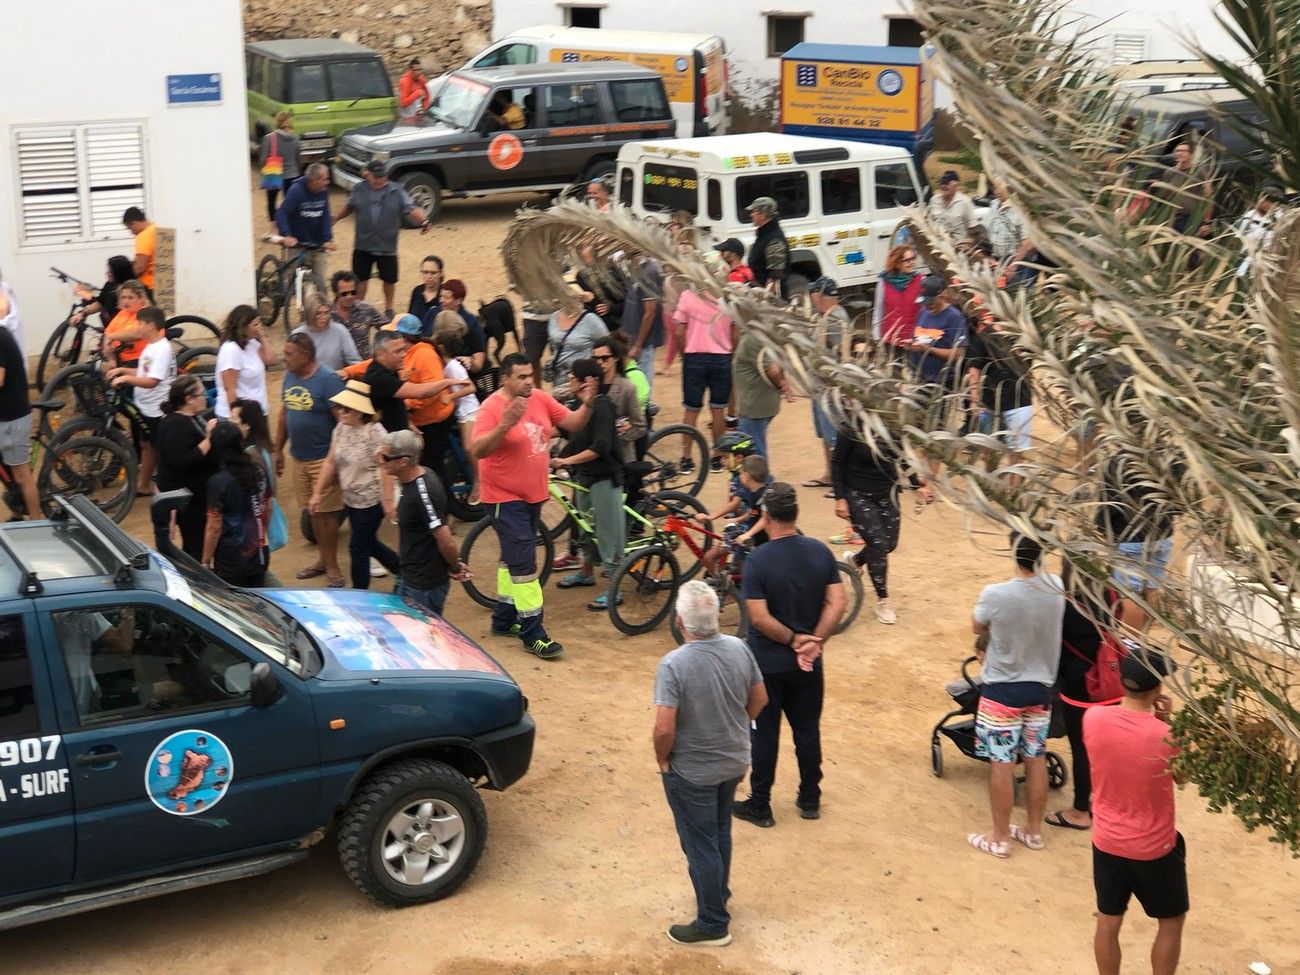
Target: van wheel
x,y
413,832
426,191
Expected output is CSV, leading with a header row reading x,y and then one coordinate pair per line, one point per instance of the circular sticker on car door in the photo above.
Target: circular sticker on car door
x,y
505,151
189,772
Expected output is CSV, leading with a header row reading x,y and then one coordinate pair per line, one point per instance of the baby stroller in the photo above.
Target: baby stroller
x,y
965,693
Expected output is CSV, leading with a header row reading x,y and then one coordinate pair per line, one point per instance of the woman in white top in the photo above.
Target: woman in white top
x,y
448,336
242,360
571,332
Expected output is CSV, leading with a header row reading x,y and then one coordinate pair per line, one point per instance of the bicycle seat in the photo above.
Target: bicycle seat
x,y
174,333
47,406
652,410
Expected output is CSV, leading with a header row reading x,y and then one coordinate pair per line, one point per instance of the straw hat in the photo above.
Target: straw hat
x,y
355,396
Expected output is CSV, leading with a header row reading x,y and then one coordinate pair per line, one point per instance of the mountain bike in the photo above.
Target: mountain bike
x,y
284,281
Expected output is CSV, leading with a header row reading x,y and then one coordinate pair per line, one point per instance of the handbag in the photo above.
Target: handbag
x,y
277,529
273,168
549,368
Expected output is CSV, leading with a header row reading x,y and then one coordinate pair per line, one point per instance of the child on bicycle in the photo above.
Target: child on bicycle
x,y
750,479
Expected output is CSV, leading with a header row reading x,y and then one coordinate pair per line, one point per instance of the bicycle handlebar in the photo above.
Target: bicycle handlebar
x,y
67,278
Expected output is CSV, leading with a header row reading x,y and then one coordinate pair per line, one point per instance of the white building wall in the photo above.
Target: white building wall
x,y
71,62
744,25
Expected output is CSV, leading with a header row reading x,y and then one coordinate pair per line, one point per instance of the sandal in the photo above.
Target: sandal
x,y
575,579
601,603
1058,819
817,482
311,572
986,845
339,583
1032,840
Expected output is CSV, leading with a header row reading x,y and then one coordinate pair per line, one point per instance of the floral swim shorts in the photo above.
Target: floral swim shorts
x,y
1003,732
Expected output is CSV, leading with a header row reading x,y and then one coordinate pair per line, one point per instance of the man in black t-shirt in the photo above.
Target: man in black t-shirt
x,y
1001,400
16,421
793,592
388,390
427,552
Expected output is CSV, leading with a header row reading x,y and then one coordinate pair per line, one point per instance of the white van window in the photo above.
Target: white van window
x,y
358,79
669,188
639,101
571,105
625,185
714,193
790,190
841,190
509,54
894,186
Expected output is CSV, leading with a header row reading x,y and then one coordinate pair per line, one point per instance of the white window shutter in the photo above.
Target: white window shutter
x,y
1129,47
114,176
49,185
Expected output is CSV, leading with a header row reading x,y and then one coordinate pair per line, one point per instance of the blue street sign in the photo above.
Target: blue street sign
x,y
191,89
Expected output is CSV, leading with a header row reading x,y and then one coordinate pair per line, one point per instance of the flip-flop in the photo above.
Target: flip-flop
x,y
986,845
817,482
1058,819
1032,840
575,579
311,572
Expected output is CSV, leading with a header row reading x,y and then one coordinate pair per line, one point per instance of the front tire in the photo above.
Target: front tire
x,y
426,192
266,287
413,832
853,593
643,590
83,465
482,554
664,453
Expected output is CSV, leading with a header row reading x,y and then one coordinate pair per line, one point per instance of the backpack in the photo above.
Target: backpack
x,y
1102,679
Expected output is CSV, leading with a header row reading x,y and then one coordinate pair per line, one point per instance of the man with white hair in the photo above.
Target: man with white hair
x,y
707,692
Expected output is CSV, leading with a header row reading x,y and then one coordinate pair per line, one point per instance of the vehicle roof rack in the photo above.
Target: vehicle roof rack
x,y
130,553
28,583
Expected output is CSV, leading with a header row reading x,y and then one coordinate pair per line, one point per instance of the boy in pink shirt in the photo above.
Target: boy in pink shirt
x,y
1137,851
707,337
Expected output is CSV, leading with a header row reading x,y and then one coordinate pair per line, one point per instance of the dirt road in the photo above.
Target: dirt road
x,y
583,873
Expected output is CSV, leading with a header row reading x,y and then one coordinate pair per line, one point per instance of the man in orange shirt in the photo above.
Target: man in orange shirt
x,y
146,241
412,94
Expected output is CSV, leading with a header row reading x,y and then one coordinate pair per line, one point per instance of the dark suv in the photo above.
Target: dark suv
x,y
507,129
160,730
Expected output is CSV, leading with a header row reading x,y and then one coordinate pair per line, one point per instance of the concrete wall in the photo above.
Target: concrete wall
x,y
72,62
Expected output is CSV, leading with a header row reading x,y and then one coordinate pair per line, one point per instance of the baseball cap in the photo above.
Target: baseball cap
x,y
825,285
376,167
781,501
732,245
1142,669
764,204
407,325
931,288
949,176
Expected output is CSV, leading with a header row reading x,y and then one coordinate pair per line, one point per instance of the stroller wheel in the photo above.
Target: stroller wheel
x,y
1057,774
936,758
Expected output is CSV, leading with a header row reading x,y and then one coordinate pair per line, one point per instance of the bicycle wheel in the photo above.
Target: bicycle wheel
x,y
673,468
63,349
266,285
853,593
75,404
200,361
643,591
195,330
89,426
482,554
656,508
555,520
459,482
78,465
733,617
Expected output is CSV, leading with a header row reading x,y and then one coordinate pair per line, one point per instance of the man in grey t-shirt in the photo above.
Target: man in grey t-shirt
x,y
707,692
380,206
1022,620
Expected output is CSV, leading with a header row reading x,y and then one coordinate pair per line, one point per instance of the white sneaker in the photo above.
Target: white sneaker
x,y
847,558
377,571
885,612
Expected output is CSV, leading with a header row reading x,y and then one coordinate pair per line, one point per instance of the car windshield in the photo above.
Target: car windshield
x,y
458,102
249,616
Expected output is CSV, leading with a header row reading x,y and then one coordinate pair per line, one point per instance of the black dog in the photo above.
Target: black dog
x,y
497,318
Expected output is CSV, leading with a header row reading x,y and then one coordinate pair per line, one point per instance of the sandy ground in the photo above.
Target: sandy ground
x,y
583,872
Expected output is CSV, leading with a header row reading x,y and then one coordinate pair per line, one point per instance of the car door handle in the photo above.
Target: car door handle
x,y
597,138
97,758
322,108
832,243
530,142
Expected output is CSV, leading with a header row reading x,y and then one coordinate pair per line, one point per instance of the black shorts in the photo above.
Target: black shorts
x,y
535,330
1159,885
363,262
151,424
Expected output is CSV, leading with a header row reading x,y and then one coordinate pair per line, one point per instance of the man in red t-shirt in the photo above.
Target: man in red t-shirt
x,y
512,443
732,253
1136,849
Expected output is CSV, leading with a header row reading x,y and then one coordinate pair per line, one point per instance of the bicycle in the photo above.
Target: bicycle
x,y
645,529
68,340
280,279
75,463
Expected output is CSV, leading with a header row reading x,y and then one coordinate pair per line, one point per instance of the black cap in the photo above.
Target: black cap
x,y
376,167
949,176
931,288
731,244
825,285
781,501
1142,669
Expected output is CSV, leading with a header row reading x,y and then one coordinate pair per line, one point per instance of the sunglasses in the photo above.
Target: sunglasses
x,y
345,294
602,358
389,458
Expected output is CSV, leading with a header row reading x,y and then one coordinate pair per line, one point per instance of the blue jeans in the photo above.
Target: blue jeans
x,y
364,542
757,429
646,360
702,814
431,599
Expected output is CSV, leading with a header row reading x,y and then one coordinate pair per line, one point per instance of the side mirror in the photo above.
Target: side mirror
x,y
264,687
